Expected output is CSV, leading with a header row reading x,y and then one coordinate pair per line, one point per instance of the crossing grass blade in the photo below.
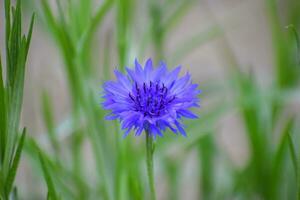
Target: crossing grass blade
x,y
49,122
295,161
15,163
293,154
52,194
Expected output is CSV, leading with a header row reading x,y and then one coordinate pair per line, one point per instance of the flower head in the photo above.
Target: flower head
x,y
150,99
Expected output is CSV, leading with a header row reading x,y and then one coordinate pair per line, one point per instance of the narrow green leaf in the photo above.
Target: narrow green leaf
x,y
49,17
1,184
50,185
293,154
95,21
7,16
2,117
13,168
29,34
16,97
14,43
7,28
196,41
280,154
49,122
297,40
295,163
177,15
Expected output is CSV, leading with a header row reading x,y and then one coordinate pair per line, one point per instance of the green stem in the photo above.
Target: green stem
x,y
150,151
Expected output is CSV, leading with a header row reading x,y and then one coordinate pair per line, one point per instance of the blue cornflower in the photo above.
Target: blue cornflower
x,y
150,99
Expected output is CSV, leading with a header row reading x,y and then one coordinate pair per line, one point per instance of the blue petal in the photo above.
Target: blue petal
x,y
139,131
135,77
126,132
148,69
138,69
187,113
155,131
123,80
172,76
158,73
180,128
169,125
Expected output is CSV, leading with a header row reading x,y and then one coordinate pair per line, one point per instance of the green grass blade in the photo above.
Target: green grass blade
x,y
49,122
297,40
28,40
206,152
7,29
49,17
52,194
16,93
286,72
177,15
2,183
14,44
85,40
7,18
293,154
280,155
295,163
15,163
192,43
2,117
100,14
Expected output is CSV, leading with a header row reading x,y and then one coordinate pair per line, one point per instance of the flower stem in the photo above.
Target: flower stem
x,y
150,151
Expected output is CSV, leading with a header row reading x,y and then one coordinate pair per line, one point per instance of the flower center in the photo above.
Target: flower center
x,y
151,99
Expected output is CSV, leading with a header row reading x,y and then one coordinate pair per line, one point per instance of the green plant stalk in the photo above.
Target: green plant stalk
x,y
73,48
150,151
206,152
295,163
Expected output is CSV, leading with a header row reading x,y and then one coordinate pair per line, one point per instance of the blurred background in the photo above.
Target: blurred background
x,y
243,53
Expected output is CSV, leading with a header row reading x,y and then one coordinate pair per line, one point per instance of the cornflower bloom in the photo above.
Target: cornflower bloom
x,y
151,99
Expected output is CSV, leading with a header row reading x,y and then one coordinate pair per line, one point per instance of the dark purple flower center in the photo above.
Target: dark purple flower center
x,y
151,99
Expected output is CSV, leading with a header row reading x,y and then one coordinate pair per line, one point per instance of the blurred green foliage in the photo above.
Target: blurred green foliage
x,y
117,169
11,96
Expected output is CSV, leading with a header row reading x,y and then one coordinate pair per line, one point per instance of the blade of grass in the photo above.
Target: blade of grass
x,y
15,42
293,154
2,117
196,41
15,163
52,194
206,152
7,29
176,16
280,154
295,163
49,123
285,67
15,99
29,34
2,184
60,173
